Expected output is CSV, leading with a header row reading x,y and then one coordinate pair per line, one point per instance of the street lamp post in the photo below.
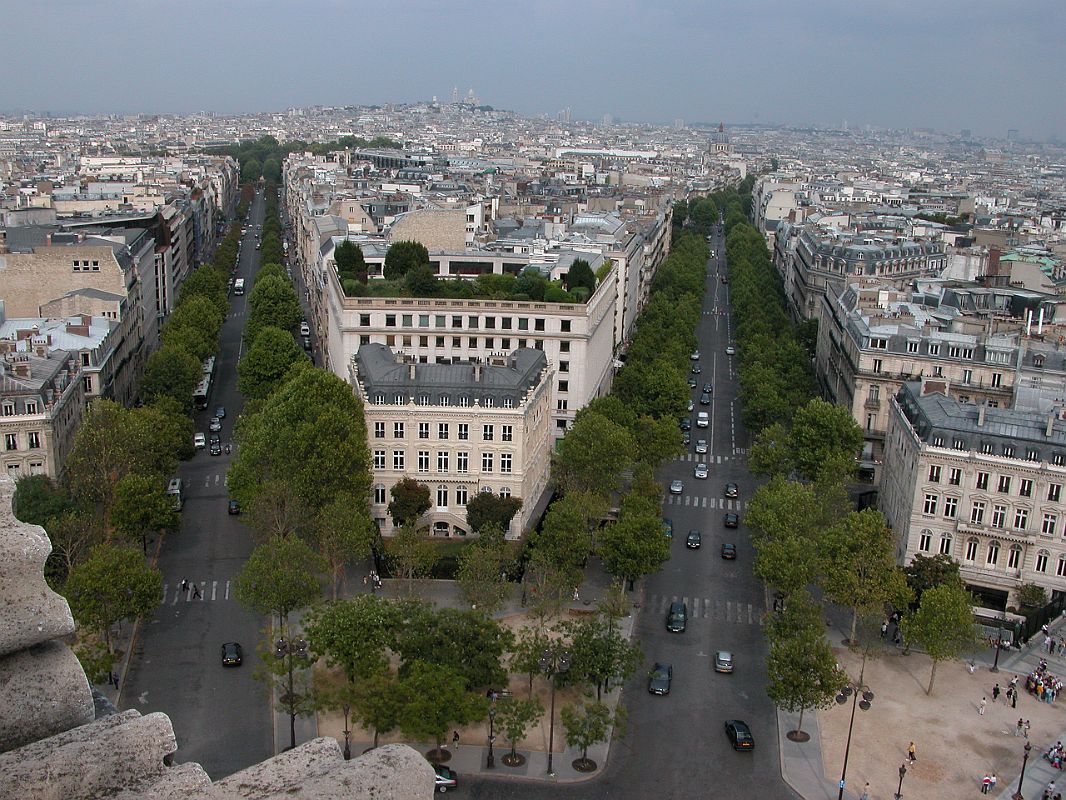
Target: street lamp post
x,y
999,643
553,663
1025,758
491,763
902,775
853,691
287,648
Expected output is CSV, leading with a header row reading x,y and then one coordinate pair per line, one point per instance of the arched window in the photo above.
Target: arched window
x,y
992,558
945,544
1042,557
971,548
505,491
1014,557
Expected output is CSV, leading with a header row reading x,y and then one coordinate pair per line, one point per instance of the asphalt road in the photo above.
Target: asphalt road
x,y
675,746
221,716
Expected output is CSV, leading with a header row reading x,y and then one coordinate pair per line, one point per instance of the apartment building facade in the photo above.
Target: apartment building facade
x,y
982,485
459,429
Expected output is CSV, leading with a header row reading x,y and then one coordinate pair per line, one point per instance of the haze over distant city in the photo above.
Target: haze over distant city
x,y
948,64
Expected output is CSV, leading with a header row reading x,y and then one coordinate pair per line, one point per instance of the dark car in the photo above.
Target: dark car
x,y
705,399
708,388
731,519
307,343
694,540
445,778
725,279
232,655
234,507
668,528
686,424
686,438
696,369
220,412
215,438
729,551
677,617
216,449
692,382
659,678
739,734
732,490
215,425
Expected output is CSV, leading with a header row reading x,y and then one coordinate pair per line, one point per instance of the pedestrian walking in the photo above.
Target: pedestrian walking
x,y
986,781
1014,699
884,628
912,753
995,693
992,782
366,580
1021,727
981,707
196,592
455,738
1026,731
184,585
577,595
865,792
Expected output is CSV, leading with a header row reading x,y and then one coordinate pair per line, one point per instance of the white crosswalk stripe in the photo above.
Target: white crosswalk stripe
x,y
195,592
727,611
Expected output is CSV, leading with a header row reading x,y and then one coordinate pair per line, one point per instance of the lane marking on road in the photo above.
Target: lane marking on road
x,y
227,590
729,610
166,591
214,589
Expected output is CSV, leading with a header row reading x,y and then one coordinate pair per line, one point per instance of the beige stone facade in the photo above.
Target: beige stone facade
x,y
437,229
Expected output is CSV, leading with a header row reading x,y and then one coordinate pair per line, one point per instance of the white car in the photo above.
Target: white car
x,y
199,441
701,445
676,487
701,471
305,329
729,351
695,355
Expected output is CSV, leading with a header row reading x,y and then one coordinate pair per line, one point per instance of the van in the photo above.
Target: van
x,y
702,420
174,490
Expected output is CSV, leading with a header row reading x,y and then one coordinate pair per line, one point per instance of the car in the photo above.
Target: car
x,y
703,420
696,369
220,412
216,425
232,655
708,388
700,471
659,678
216,449
444,778
694,540
731,520
676,487
668,528
307,342
730,350
729,551
686,437
691,406
257,245
677,617
692,382
739,734
732,490
234,507
701,446
695,355
199,441
305,329
725,279
723,661
705,399
686,424
215,439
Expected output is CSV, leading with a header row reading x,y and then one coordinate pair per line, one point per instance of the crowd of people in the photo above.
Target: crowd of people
x,y
1042,684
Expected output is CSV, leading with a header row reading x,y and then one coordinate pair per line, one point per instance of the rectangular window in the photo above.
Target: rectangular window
x,y
982,480
925,542
486,462
379,430
379,459
505,462
564,347
423,320
408,320
486,433
560,404
878,365
471,323
397,430
423,461
442,430
490,323
564,386
1004,484
955,476
977,512
457,322
506,433
33,440
1054,491
423,430
934,473
564,366
945,545
398,460
930,504
379,495
463,431
1026,488
462,462
1049,525
9,409
999,516
967,376
1021,519
442,497
951,507
442,461
912,346
934,349
538,324
1008,451
997,380
390,320
523,323
364,320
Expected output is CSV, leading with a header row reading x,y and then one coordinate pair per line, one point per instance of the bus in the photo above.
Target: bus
x,y
200,393
238,286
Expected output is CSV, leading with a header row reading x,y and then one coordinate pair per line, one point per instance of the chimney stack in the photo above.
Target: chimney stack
x,y
1050,425
981,415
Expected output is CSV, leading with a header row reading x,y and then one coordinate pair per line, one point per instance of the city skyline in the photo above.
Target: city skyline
x,y
822,66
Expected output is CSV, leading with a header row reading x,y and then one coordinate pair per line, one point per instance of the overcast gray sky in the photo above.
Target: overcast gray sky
x,y
947,64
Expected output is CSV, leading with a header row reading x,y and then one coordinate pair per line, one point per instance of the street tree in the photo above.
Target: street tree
x,y
39,499
943,624
342,534
171,372
550,587
412,553
483,567
276,510
272,303
529,645
434,699
564,540
73,535
859,567
593,455
402,257
657,440
587,724
280,576
488,508
142,506
771,454
802,667
377,701
267,362
824,440
634,546
464,641
410,500
113,584
925,572
598,653
515,717
354,635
